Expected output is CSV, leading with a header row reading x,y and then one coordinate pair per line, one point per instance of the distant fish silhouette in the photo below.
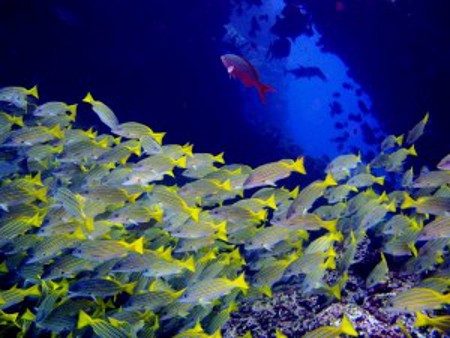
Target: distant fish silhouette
x,y
308,72
240,68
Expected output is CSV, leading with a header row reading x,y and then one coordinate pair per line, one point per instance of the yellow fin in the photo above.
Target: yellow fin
x,y
329,225
219,158
88,98
271,202
408,202
84,320
421,320
189,264
347,327
329,181
226,185
412,151
129,287
294,192
158,137
33,92
194,213
379,180
399,139
187,149
137,245
181,162
299,165
240,282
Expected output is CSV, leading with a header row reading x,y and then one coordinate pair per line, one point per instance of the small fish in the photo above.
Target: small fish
x,y
7,119
272,271
308,196
30,136
238,67
417,131
99,287
439,206
105,113
407,178
136,130
365,180
444,164
105,250
269,174
102,328
343,163
378,274
198,160
418,299
439,228
17,96
204,291
170,199
15,295
310,222
55,109
391,141
339,193
432,179
346,327
268,237
394,161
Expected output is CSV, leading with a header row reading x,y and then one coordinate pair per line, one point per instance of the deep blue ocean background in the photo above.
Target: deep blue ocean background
x,y
158,62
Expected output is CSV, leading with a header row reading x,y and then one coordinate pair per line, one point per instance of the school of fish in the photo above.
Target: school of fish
x,y
118,234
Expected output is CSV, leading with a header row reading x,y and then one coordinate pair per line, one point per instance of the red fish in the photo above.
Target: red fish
x,y
240,68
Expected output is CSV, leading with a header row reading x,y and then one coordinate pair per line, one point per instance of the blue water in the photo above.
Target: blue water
x,y
380,65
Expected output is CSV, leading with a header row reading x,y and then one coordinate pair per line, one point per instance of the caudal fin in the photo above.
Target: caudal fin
x,y
263,89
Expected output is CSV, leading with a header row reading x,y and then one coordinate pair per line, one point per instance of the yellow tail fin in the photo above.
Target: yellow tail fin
x,y
189,264
129,288
260,215
240,282
412,151
73,111
84,320
270,202
294,192
194,213
379,180
421,320
408,202
426,118
133,197
329,225
137,245
299,165
329,181
88,98
57,131
399,139
219,158
181,162
158,137
347,327
33,92
33,291
226,185
221,231
392,207
187,149
18,120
